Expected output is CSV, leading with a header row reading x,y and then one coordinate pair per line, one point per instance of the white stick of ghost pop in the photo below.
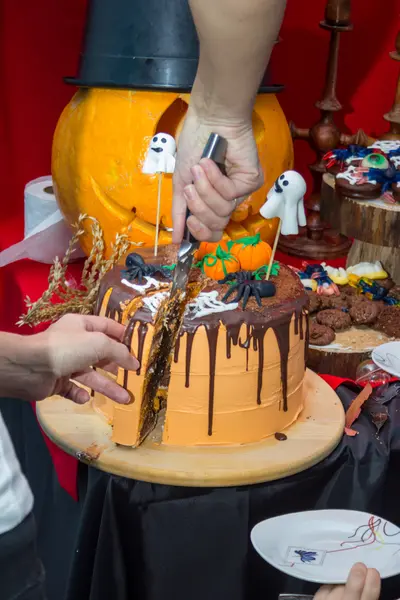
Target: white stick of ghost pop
x,y
286,201
160,158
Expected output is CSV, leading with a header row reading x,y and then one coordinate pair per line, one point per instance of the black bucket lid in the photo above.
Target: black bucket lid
x,y
141,44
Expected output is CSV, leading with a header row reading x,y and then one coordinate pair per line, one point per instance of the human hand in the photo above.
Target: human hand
x,y
362,584
210,196
50,362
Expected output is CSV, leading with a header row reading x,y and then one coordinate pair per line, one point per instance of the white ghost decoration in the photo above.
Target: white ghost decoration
x,y
160,156
285,200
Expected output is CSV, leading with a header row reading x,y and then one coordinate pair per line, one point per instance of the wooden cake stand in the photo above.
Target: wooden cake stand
x,y
82,432
374,225
376,229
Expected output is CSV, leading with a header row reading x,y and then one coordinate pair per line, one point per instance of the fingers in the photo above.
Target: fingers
x,y
108,350
178,216
110,367
325,591
372,586
75,393
101,384
362,584
111,328
201,232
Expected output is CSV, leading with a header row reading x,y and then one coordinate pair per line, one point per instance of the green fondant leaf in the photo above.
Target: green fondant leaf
x,y
261,272
251,240
169,267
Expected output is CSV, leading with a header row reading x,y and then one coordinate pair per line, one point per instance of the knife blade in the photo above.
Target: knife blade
x,y
215,149
170,315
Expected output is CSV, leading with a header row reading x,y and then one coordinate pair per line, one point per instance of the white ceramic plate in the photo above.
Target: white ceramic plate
x,y
387,357
321,546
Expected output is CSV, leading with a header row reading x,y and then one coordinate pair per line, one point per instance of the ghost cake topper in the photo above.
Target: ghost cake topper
x,y
160,157
285,200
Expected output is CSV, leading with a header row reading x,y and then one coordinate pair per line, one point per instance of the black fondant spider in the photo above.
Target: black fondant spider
x,y
247,286
136,268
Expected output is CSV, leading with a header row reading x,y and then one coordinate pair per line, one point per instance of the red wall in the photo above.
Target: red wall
x,y
40,43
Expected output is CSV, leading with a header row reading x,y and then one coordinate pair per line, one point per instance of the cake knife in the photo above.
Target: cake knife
x,y
216,150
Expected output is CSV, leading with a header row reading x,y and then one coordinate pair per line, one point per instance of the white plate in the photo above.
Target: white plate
x,y
387,357
321,546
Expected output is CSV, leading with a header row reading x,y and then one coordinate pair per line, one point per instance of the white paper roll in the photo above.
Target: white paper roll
x,y
46,233
40,202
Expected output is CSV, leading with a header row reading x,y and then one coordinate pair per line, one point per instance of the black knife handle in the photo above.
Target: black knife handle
x,y
216,150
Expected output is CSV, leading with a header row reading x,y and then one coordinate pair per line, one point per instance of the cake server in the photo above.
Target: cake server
x,y
216,150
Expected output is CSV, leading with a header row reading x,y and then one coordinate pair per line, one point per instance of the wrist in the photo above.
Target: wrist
x,y
24,365
212,106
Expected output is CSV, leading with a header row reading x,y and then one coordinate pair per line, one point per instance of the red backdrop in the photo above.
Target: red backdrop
x,y
40,43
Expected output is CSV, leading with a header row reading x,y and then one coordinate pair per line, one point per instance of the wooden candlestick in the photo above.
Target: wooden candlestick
x,y
318,240
393,116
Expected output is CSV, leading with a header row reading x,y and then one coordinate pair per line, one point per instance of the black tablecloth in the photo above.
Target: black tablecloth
x,y
140,541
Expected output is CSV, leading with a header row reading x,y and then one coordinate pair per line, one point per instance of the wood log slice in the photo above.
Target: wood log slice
x,y
389,257
371,221
350,348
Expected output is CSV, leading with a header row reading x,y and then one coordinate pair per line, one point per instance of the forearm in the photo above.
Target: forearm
x,y
236,39
23,361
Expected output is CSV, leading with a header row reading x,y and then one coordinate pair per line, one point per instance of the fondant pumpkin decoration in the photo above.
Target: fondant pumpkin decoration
x,y
100,146
219,265
251,252
210,248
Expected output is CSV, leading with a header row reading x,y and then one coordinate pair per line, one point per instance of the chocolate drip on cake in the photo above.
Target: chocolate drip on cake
x,y
177,348
188,359
282,335
142,331
212,335
232,337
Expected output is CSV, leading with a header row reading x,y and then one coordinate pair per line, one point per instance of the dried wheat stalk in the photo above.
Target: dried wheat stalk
x,y
60,298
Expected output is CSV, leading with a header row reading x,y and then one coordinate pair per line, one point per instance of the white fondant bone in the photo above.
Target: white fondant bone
x,y
206,303
385,145
353,176
150,282
286,201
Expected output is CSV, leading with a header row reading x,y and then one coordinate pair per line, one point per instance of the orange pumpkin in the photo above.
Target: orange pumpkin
x,y
99,147
219,265
251,252
210,248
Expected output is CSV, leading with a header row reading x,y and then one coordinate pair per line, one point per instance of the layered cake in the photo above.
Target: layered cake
x,y
237,371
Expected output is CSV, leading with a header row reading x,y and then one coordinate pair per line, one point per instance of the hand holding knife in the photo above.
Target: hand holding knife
x,y
215,149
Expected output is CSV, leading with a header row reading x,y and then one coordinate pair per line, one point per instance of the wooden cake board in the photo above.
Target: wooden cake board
x,y
83,433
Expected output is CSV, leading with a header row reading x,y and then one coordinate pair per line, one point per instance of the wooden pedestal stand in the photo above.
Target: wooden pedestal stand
x,y
376,229
82,432
318,240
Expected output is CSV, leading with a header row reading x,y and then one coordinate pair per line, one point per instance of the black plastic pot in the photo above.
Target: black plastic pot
x,y
141,44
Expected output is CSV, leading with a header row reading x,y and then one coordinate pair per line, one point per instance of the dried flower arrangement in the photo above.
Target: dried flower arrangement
x,y
60,297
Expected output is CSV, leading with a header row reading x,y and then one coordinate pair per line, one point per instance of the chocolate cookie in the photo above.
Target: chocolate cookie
x,y
315,302
388,321
340,302
352,184
396,191
387,283
395,292
336,319
364,313
321,335
348,290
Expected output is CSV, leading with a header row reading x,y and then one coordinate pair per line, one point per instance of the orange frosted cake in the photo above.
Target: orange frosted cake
x,y
238,367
